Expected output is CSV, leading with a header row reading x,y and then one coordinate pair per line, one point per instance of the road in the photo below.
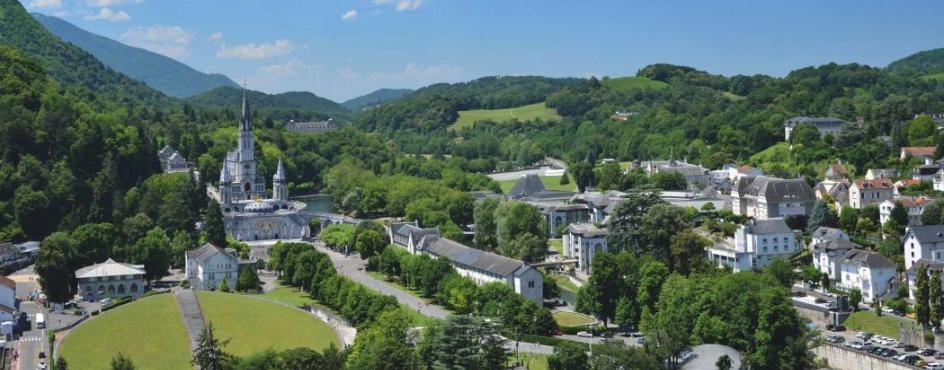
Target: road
x,y
353,268
33,341
514,175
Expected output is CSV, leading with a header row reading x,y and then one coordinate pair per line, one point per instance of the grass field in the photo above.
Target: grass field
x,y
149,332
565,282
732,96
557,245
572,319
254,324
885,325
524,113
531,361
550,183
626,84
292,296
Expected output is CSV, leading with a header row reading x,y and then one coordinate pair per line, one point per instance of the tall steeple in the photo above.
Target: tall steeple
x,y
245,121
279,172
279,183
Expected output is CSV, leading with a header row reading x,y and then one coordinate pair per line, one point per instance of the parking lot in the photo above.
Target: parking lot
x,y
888,348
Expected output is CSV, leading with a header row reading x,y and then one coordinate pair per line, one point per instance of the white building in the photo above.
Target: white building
x,y
924,242
869,272
825,234
110,279
881,173
914,205
209,265
172,161
8,304
866,192
917,152
755,244
582,241
764,197
480,266
825,125
827,256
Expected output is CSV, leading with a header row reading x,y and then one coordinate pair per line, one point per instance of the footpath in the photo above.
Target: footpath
x,y
191,313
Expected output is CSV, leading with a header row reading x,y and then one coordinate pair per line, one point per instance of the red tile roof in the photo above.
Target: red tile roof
x,y
919,151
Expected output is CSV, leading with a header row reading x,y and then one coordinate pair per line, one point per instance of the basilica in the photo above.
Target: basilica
x,y
249,213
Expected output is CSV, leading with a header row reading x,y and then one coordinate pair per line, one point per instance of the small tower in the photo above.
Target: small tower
x,y
225,186
279,183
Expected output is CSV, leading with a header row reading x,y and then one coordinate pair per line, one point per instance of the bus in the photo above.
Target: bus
x,y
40,321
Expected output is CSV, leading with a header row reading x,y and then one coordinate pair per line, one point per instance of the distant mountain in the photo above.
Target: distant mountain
x,y
65,62
160,72
922,63
229,97
375,98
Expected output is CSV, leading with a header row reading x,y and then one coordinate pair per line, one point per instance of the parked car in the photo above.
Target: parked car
x,y
857,345
641,340
934,366
865,335
819,300
927,352
835,339
939,356
909,348
584,334
888,352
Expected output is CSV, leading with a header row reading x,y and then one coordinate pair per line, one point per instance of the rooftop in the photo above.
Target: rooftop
x,y
468,256
109,268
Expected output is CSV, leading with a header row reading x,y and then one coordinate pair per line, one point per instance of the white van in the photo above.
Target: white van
x,y
40,321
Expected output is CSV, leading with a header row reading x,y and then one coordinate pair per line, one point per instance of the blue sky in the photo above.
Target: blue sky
x,y
342,49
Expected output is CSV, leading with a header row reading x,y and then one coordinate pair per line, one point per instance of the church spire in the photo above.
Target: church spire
x,y
224,174
245,122
279,172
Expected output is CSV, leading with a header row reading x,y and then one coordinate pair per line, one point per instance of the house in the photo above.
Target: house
x,y
865,192
764,197
172,161
837,192
925,172
881,173
827,255
734,171
868,271
312,127
756,243
695,175
918,152
622,116
110,279
825,234
923,242
825,125
558,216
836,172
486,267
914,205
911,274
208,266
409,234
8,303
582,241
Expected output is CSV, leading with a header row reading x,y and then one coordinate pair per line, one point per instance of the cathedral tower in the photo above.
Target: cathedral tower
x,y
245,159
280,184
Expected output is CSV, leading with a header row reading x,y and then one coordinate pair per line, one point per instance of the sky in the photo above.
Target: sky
x,y
341,49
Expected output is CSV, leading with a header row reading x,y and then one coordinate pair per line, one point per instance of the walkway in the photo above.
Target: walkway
x,y
191,313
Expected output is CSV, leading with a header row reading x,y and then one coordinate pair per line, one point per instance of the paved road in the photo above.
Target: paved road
x,y
190,313
352,267
33,341
514,175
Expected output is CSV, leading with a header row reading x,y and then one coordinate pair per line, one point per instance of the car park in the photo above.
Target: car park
x,y
888,352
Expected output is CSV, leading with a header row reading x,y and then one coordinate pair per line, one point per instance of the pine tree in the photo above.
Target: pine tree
x,y
61,364
565,179
224,286
936,299
213,228
120,362
922,311
209,354
822,216
248,280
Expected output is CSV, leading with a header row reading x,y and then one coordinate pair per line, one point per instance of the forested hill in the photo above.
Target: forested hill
x,y
229,97
160,72
437,106
927,62
375,98
65,62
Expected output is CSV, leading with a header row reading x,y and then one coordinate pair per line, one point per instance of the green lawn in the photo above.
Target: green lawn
x,y
882,325
550,183
289,295
254,324
531,361
524,113
557,245
626,84
564,282
572,319
149,331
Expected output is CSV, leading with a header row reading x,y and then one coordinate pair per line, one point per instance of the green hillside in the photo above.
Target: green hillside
x,y
921,63
625,84
229,97
524,113
65,62
375,99
160,72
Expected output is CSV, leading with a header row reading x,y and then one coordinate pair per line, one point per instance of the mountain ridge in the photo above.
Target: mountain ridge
x,y
375,98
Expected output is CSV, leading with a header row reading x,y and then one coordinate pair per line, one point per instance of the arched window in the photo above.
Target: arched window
x,y
246,188
134,288
226,210
121,289
111,289
101,289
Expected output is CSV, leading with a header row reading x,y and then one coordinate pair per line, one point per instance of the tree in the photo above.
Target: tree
x,y
811,274
603,288
805,134
120,362
153,251
624,225
526,247
669,327
822,216
550,289
626,310
848,219
932,213
583,175
369,243
922,295
485,227
179,246
565,180
224,286
780,270
248,280
209,354
936,299
723,363
213,230
652,275
855,297
659,225
899,216
568,357
61,363
609,176
52,266
921,131
687,250
824,281
94,242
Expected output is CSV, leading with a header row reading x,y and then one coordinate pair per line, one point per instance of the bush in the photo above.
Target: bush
x,y
185,284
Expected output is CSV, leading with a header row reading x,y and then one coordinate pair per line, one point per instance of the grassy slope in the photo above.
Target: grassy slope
x,y
550,183
531,361
292,296
572,319
625,84
936,76
524,113
253,325
148,331
884,325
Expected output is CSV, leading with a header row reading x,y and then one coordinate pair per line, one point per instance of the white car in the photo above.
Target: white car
x,y
888,310
584,334
857,345
934,366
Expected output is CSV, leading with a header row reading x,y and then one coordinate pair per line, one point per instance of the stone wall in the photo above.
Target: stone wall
x,y
841,358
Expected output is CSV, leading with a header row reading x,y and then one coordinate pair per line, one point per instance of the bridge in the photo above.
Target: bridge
x,y
552,264
327,219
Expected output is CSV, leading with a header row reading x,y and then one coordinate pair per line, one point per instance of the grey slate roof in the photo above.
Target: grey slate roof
x,y
586,229
468,256
931,264
776,189
928,233
205,252
530,186
768,226
836,247
868,258
828,233
815,121
402,228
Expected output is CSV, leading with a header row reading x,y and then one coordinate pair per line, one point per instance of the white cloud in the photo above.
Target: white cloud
x,y
45,4
171,41
348,73
401,5
216,36
256,51
416,73
349,15
106,14
106,3
292,67
61,13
